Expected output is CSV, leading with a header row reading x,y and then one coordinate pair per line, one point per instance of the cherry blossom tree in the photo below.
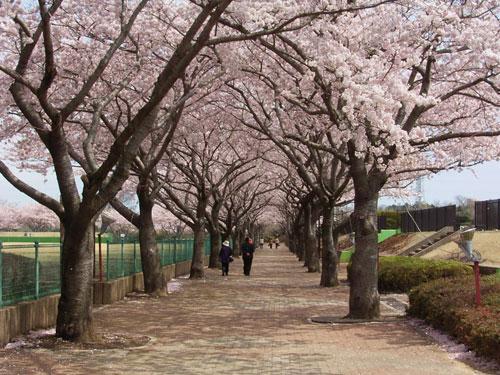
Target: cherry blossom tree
x,y
324,174
33,217
415,93
199,77
202,163
58,73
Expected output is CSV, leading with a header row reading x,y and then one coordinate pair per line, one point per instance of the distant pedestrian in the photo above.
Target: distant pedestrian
x,y
247,250
261,242
277,242
225,256
271,244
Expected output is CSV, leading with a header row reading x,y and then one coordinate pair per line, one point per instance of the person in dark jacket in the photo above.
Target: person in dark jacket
x,y
247,250
225,256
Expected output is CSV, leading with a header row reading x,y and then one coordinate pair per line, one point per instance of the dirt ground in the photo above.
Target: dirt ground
x,y
397,244
246,325
486,242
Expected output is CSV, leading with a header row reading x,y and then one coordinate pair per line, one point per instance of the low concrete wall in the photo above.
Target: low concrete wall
x,y
42,313
26,316
182,268
109,292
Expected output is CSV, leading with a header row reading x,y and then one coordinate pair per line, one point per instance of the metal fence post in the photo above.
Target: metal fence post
x,y
99,237
107,260
122,242
175,251
60,264
162,254
37,270
1,275
134,254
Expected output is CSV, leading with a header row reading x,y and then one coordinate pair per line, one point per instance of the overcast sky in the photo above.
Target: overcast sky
x,y
480,183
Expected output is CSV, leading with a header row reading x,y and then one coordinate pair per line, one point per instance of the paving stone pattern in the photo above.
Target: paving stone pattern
x,y
245,325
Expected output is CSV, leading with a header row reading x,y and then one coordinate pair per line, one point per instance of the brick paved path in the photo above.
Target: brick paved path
x,y
255,325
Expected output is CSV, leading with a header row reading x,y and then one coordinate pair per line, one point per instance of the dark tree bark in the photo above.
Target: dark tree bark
x,y
329,273
197,262
74,318
364,299
215,245
295,236
311,256
154,282
236,238
301,251
301,238
215,232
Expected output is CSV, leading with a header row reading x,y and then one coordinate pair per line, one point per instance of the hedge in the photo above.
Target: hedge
x,y
448,304
400,274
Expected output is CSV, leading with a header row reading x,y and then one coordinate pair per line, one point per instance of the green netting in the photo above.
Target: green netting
x,y
31,271
50,269
28,272
122,259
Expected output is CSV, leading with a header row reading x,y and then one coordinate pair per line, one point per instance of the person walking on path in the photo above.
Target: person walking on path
x,y
261,243
247,249
277,242
225,256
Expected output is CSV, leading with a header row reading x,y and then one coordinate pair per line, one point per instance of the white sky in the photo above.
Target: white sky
x,y
481,182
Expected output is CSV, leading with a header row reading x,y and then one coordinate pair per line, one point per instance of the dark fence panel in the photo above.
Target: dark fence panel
x,y
487,214
428,219
381,222
348,228
480,215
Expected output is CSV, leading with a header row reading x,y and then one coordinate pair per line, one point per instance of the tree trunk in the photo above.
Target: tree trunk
x,y
364,300
154,282
291,243
329,274
295,237
74,316
197,262
215,245
311,256
301,253
236,238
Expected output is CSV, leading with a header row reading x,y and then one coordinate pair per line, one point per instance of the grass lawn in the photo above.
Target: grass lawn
x,y
384,234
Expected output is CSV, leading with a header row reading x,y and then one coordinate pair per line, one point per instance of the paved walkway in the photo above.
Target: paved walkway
x,y
245,325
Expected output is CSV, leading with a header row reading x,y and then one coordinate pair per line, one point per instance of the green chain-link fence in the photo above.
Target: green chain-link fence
x,y
31,271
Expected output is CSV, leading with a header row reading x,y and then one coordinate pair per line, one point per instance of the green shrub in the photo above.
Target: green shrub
x,y
448,304
400,274
345,256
